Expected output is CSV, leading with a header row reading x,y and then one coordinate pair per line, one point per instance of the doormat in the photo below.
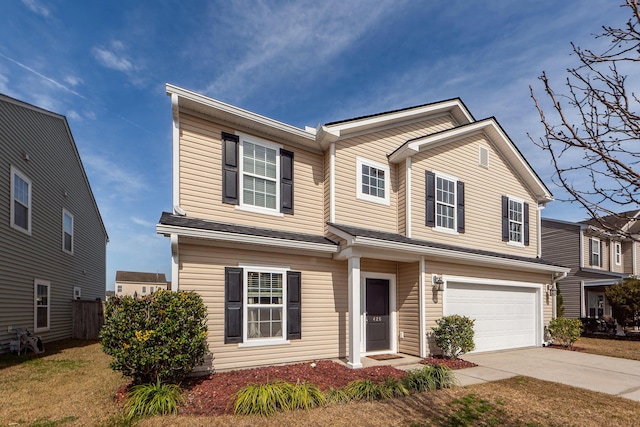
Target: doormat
x,y
385,357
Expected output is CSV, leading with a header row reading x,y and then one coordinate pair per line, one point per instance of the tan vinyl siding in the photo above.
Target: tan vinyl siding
x,y
327,188
53,168
368,265
402,198
627,257
408,308
201,182
375,147
483,191
324,304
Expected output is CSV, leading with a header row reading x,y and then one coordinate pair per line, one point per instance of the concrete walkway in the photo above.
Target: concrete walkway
x,y
611,375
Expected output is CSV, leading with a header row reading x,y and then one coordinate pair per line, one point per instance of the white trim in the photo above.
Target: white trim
x,y
36,283
242,205
455,180
583,306
244,238
422,294
407,197
617,253
481,149
591,253
539,230
354,309
14,172
360,162
516,243
175,135
393,327
256,342
175,262
66,212
634,261
582,248
332,183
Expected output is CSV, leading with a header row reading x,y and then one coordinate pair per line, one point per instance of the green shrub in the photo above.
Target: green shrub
x,y
262,399
565,331
429,378
160,337
454,335
337,395
392,387
624,297
305,396
153,399
363,390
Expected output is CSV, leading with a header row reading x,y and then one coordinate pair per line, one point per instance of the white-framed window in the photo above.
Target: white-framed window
x,y
445,202
264,308
617,248
259,175
20,201
516,221
67,232
372,181
119,289
144,290
595,256
41,305
77,292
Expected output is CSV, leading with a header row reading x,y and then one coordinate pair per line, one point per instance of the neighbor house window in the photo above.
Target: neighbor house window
x,y
144,290
67,231
265,303
20,201
595,250
119,289
372,181
618,252
42,312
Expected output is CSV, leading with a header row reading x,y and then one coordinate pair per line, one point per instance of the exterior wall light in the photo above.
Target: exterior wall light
x,y
437,282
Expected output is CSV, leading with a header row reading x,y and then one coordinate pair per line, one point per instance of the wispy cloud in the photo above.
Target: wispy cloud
x,y
142,222
296,39
119,181
114,57
73,80
73,115
37,7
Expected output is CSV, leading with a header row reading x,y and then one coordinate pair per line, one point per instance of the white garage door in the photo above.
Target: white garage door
x,y
505,316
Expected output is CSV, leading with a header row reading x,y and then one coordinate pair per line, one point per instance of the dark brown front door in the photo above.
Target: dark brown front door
x,y
377,319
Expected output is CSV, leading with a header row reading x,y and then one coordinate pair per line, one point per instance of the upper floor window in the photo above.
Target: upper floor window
x,y
20,201
595,252
444,202
515,221
67,231
372,181
618,252
257,174
119,288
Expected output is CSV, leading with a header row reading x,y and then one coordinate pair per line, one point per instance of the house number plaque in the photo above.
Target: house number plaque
x,y
376,319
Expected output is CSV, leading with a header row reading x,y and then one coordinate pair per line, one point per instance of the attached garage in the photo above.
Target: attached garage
x,y
506,317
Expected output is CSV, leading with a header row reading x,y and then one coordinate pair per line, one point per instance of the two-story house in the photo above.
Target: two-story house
x,y
139,284
53,240
597,258
351,239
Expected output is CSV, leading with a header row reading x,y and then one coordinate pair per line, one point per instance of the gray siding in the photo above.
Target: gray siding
x,y
58,181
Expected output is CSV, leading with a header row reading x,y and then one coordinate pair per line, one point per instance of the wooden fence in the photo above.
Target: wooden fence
x,y
88,318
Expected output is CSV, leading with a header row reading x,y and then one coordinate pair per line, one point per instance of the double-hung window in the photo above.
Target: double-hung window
x,y
444,203
372,181
259,175
595,252
515,221
265,302
42,312
67,232
20,201
617,247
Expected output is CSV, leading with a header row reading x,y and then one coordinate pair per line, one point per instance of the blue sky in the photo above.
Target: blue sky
x,y
104,66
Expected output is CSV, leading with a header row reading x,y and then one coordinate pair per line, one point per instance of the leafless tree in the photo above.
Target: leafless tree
x,y
594,145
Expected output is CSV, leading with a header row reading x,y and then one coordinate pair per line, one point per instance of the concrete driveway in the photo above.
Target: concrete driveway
x,y
611,375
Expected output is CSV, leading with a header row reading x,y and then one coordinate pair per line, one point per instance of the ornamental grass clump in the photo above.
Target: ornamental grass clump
x,y
262,399
429,378
363,390
153,399
392,387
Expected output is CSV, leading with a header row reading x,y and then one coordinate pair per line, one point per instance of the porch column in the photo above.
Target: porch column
x,y
354,313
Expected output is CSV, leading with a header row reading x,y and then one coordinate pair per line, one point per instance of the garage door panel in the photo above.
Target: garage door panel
x,y
505,317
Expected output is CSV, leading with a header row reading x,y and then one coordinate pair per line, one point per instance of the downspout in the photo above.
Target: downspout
x,y
539,233
175,110
332,183
422,308
634,259
175,263
407,198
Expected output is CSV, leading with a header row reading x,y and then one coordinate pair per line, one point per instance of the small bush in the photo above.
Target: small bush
x,y
565,331
363,390
454,335
392,387
429,378
153,399
305,396
262,399
337,395
161,336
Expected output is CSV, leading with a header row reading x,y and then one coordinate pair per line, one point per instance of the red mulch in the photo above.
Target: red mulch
x,y
572,348
449,363
213,395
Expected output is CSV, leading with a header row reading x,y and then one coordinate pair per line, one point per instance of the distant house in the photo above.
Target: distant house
x,y
598,259
353,238
139,284
52,238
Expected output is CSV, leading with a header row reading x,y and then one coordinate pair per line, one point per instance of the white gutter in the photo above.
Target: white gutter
x,y
332,182
175,263
244,238
407,198
539,225
422,308
175,110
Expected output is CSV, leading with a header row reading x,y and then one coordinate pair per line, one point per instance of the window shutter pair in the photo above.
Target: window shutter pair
x,y
231,174
505,221
233,300
430,208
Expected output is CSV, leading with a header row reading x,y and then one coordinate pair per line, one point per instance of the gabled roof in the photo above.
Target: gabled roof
x,y
492,129
10,100
628,222
140,277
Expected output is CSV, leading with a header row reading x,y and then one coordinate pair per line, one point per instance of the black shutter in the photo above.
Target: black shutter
x,y
430,208
590,251
600,256
230,172
525,220
505,219
294,314
460,217
232,305
286,181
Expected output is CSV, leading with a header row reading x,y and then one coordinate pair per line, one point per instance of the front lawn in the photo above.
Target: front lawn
x,y
610,347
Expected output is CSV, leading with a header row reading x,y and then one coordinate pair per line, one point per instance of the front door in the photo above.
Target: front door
x,y
378,336
596,304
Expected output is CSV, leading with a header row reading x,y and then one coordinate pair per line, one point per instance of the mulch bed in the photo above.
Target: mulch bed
x,y
213,395
449,363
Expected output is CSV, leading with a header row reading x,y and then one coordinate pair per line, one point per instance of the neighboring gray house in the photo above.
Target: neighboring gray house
x,y
597,259
139,284
52,238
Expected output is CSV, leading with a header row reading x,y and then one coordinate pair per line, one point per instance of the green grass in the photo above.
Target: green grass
x,y
471,410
